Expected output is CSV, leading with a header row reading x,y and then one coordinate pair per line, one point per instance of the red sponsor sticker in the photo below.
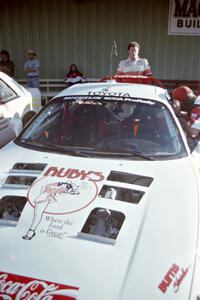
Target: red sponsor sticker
x,y
20,287
173,277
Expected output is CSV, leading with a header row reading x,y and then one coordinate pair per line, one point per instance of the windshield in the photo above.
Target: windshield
x,y
105,126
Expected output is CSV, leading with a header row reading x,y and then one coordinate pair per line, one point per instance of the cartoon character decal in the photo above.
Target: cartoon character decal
x,y
49,193
61,191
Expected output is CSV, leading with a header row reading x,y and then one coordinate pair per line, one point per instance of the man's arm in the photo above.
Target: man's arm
x,y
28,69
147,69
191,132
120,68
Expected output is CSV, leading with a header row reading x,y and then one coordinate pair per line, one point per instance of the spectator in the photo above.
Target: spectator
x,y
31,68
74,76
186,97
184,105
134,65
6,65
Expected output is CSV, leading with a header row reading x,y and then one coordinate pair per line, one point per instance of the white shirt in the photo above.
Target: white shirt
x,y
139,66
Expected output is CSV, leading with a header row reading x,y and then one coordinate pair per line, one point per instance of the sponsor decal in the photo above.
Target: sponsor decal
x,y
58,198
20,287
93,97
74,174
58,193
184,17
55,227
106,92
174,277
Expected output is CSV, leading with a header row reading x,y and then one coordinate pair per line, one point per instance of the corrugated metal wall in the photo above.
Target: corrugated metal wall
x,y
82,32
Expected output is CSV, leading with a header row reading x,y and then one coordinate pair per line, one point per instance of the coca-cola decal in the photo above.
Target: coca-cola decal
x,y
59,193
20,287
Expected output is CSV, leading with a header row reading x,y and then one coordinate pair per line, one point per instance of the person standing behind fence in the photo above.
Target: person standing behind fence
x,y
6,65
134,65
31,68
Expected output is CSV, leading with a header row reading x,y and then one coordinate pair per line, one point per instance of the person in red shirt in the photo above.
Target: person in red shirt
x,y
187,109
74,76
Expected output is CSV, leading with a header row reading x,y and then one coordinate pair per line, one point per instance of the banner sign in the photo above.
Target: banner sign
x,y
184,17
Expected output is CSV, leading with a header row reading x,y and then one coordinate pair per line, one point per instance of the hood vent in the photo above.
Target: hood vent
x,y
126,194
102,225
10,209
121,194
29,167
19,181
130,178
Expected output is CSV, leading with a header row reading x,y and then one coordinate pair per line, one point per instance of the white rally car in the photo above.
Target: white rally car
x,y
100,199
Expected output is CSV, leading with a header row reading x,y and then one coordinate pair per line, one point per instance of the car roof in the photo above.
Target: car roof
x,y
112,88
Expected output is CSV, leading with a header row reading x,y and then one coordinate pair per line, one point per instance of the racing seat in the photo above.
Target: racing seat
x,y
88,126
143,124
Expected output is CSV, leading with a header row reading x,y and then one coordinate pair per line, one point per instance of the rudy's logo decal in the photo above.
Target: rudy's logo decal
x,y
174,277
58,198
20,287
74,174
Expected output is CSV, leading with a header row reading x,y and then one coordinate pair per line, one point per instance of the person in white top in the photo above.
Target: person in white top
x,y
134,65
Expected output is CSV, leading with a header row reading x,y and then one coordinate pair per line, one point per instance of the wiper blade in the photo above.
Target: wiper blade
x,y
54,147
27,141
89,151
128,152
75,152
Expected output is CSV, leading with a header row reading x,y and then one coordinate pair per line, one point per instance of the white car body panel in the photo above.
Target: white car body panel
x,y
116,89
13,111
144,262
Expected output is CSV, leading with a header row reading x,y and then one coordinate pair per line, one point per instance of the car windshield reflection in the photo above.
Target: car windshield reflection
x,y
81,124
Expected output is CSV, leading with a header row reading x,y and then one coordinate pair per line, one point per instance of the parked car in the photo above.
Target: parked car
x,y
15,108
100,199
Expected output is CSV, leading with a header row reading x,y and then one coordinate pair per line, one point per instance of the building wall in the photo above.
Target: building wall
x,y
82,32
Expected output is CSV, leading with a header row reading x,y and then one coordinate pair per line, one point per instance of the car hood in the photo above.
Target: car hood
x,y
55,249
